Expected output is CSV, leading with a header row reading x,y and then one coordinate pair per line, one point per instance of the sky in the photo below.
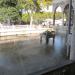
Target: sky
x,y
59,9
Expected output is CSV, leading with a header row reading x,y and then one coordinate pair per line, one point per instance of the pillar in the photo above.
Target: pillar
x,y
63,19
72,51
54,18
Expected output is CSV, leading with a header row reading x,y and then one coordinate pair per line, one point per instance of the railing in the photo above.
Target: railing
x,y
18,30
65,68
21,30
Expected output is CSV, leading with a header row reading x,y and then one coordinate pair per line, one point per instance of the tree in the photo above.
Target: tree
x,y
8,3
29,6
12,9
9,12
9,15
32,6
44,3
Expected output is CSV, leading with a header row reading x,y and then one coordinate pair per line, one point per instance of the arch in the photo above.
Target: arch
x,y
67,7
55,7
61,10
66,10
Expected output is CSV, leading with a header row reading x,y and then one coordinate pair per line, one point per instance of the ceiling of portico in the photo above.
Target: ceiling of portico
x,y
61,3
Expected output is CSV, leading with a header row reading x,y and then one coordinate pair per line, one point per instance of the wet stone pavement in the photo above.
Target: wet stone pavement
x,y
27,56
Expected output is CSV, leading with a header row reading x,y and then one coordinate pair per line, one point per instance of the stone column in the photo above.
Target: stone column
x,y
54,18
72,51
63,19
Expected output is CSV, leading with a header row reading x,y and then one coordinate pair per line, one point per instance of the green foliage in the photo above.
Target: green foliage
x,y
26,4
26,18
45,15
44,2
8,3
8,11
39,17
59,15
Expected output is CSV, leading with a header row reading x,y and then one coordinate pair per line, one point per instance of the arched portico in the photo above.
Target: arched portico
x,y
59,3
70,16
62,15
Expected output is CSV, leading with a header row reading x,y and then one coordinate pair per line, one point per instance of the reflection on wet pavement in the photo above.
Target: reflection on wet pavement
x,y
24,57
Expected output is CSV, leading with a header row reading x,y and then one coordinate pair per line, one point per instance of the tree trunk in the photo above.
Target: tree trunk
x,y
31,20
8,21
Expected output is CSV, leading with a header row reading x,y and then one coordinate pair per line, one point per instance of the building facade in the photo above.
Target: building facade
x,y
68,9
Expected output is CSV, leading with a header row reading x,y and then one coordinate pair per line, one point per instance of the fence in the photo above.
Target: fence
x,y
20,30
